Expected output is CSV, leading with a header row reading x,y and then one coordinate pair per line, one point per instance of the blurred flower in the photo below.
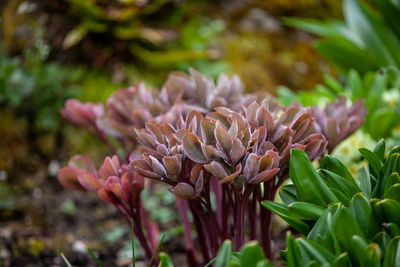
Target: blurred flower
x,y
337,121
114,183
82,114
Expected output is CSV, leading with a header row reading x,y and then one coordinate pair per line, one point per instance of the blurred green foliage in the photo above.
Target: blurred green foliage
x,y
368,39
34,89
161,33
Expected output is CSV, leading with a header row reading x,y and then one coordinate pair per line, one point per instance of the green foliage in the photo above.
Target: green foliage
x,y
251,255
160,33
35,89
368,39
381,91
347,221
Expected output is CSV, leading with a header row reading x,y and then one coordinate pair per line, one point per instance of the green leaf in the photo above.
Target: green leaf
x,y
95,258
224,254
165,260
358,250
345,227
394,229
309,185
157,248
293,256
342,260
315,251
373,254
379,150
343,54
283,211
264,263
391,209
392,253
373,160
288,193
385,117
389,167
336,166
327,29
322,233
341,184
373,34
361,210
365,181
251,254
393,191
355,85
305,210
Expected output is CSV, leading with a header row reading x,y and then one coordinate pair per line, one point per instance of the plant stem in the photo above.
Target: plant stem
x,y
238,232
265,221
183,210
201,238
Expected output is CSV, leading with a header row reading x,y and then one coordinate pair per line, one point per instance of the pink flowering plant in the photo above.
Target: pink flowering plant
x,y
221,152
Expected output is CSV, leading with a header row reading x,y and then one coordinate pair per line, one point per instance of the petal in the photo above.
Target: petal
x,y
184,191
89,181
224,139
68,177
192,148
216,169
264,176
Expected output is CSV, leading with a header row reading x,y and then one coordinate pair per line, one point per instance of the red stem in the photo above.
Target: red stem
x,y
183,210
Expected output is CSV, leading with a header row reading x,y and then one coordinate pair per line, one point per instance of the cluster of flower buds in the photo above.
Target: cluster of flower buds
x,y
114,183
338,121
249,147
129,108
82,114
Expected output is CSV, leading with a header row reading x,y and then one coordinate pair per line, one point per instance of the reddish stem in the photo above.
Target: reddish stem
x,y
183,210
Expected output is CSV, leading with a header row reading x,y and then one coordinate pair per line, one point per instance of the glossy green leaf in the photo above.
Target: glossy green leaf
x,y
165,260
288,193
392,253
373,254
391,210
373,160
373,34
358,249
345,226
341,184
361,210
283,211
224,254
334,165
316,251
322,232
393,192
306,211
310,186
293,256
251,254
379,149
394,229
365,181
343,53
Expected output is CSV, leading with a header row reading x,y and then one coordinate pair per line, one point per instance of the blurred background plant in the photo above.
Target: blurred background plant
x,y
368,39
